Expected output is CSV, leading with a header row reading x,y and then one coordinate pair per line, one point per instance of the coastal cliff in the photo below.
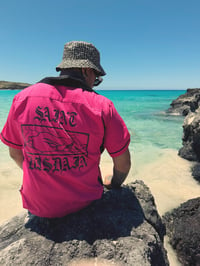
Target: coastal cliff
x,y
8,85
122,228
182,223
185,103
188,105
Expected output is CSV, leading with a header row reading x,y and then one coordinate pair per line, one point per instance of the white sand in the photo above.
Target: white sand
x,y
168,178
10,183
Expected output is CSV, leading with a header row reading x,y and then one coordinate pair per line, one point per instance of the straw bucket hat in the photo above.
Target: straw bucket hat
x,y
79,54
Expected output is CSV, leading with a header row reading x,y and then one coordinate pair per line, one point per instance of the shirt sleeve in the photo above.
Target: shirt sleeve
x,y
11,133
117,137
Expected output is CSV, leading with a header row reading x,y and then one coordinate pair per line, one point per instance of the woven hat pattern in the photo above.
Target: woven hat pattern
x,y
81,55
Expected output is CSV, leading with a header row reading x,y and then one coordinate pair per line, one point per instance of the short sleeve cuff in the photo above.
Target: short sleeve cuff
x,y
10,143
121,150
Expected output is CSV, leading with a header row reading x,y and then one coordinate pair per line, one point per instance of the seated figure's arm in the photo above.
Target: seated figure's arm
x,y
17,156
122,164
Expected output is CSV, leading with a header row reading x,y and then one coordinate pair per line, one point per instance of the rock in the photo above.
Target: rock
x,y
191,130
7,85
123,227
191,137
183,230
196,171
185,103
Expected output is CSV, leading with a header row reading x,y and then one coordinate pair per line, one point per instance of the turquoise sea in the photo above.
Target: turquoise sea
x,y
144,113
152,130
142,110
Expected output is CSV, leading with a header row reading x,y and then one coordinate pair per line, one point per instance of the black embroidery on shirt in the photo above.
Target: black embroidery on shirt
x,y
54,148
56,164
51,141
62,117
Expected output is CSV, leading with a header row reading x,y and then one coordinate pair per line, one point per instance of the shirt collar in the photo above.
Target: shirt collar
x,y
67,80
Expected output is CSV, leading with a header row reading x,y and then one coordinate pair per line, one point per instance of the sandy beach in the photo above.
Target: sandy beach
x,y
10,183
168,178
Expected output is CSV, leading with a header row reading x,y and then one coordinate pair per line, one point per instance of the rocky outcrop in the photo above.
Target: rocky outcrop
x,y
7,85
183,223
123,227
191,137
188,105
196,171
191,142
183,229
185,103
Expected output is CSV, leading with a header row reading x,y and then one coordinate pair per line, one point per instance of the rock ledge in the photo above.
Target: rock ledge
x,y
123,227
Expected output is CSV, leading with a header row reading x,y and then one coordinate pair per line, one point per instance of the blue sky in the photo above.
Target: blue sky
x,y
144,44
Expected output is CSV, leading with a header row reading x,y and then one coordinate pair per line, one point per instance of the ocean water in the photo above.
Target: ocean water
x,y
152,130
156,138
144,112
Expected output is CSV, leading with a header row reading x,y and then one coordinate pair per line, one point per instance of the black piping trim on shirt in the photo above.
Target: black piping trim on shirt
x,y
19,145
121,148
100,180
102,145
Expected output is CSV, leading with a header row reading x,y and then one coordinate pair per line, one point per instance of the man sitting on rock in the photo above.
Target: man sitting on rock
x,y
56,131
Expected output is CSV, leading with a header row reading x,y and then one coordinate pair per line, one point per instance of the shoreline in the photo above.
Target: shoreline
x,y
168,178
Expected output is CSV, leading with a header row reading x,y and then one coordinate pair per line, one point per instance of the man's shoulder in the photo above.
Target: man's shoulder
x,y
35,90
98,101
101,99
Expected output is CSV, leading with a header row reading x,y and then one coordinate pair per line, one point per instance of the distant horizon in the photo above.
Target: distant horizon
x,y
101,87
141,89
114,88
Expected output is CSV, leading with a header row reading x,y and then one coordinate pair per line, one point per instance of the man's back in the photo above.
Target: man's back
x,y
63,131
56,131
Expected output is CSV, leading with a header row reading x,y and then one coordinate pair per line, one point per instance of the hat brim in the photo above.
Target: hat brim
x,y
81,63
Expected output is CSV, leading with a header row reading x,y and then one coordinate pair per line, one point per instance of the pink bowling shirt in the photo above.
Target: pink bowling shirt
x,y
61,131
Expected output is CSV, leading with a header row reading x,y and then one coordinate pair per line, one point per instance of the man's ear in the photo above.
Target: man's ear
x,y
84,72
